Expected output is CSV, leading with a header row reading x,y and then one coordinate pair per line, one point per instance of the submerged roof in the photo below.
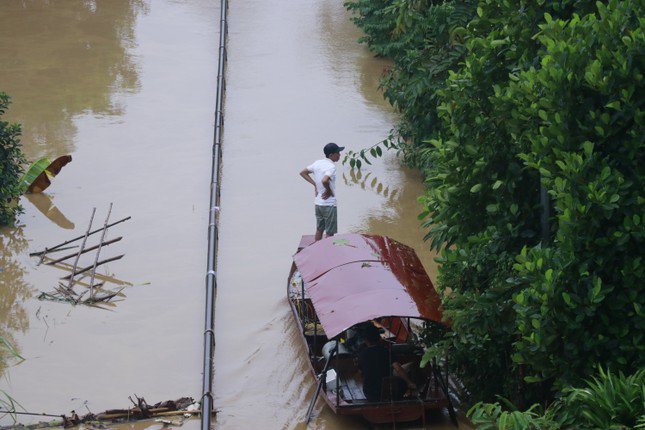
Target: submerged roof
x,y
353,277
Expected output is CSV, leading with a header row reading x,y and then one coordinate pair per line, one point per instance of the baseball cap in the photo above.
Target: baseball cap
x,y
332,148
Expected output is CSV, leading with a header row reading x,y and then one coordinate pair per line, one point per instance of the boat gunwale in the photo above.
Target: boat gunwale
x,y
344,407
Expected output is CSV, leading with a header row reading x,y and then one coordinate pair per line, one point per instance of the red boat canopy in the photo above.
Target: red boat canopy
x,y
352,278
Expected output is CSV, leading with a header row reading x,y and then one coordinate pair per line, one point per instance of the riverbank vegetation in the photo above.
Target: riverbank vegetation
x,y
527,120
11,161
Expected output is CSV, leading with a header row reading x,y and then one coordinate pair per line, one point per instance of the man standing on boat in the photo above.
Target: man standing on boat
x,y
324,182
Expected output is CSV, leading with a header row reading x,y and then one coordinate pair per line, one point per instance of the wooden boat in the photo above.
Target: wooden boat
x,y
340,284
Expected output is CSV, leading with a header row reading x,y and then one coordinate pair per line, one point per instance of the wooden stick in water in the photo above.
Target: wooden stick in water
x,y
98,251
92,248
85,269
55,248
80,251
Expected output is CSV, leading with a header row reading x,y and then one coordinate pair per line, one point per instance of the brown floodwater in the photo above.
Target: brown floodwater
x,y
127,88
296,80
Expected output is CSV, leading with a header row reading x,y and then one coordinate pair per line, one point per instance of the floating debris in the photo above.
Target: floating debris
x,y
184,407
39,175
65,291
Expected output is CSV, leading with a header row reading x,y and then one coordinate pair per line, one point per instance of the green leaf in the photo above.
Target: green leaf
x,y
614,105
514,208
588,148
567,299
492,208
498,42
33,172
8,347
40,173
544,172
475,188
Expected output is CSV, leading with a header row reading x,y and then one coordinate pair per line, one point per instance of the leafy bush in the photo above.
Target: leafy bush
x,y
532,143
608,401
424,40
559,112
11,158
579,119
492,416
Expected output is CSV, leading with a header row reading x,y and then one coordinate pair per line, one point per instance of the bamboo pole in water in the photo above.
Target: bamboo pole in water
x,y
58,247
85,269
98,251
86,250
80,251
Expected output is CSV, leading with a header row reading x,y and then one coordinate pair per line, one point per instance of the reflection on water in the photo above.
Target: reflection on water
x,y
371,182
353,65
14,290
62,58
124,86
45,204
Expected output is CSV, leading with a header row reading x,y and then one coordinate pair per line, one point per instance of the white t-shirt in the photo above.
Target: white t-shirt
x,y
319,169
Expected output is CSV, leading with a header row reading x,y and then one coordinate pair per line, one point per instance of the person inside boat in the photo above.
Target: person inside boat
x,y
356,336
376,364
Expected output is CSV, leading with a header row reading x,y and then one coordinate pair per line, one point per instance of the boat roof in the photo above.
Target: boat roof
x,y
352,278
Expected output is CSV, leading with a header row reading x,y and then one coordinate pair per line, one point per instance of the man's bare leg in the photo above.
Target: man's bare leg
x,y
319,234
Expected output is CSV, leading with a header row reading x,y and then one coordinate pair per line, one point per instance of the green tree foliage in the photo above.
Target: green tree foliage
x,y
424,40
579,117
547,95
559,110
11,159
608,401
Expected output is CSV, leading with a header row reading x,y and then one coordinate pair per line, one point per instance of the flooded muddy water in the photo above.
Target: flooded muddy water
x,y
127,88
296,80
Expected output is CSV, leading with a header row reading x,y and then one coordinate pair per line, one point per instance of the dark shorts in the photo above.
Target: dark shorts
x,y
326,219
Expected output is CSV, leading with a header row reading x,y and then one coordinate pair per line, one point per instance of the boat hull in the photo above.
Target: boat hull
x,y
376,413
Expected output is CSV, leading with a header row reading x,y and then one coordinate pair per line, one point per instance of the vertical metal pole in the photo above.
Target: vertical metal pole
x,y
315,332
211,276
544,216
337,372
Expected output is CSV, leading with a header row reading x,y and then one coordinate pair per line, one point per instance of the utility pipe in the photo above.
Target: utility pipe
x,y
211,276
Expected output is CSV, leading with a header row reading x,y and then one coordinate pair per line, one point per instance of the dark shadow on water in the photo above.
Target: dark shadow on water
x,y
45,204
371,182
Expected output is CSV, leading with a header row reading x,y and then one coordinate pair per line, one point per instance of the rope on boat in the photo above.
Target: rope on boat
x,y
211,274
